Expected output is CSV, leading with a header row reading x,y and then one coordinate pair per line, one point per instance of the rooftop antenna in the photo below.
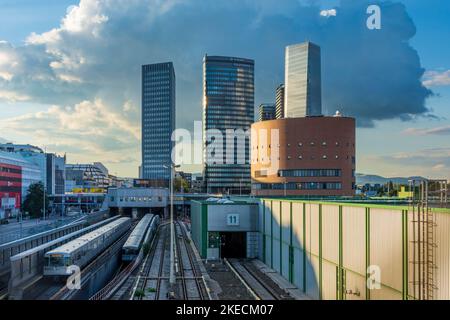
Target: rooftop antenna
x,y
338,114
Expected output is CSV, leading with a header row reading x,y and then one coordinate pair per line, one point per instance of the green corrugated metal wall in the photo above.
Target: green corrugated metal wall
x,y
379,225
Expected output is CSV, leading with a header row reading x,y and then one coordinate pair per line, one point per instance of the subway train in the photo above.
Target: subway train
x,y
143,233
83,250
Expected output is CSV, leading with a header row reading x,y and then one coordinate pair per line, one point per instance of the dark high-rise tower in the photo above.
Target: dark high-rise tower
x,y
158,120
228,104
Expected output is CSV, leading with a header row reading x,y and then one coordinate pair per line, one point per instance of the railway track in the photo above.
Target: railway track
x,y
182,268
3,292
260,287
153,281
149,282
191,278
121,286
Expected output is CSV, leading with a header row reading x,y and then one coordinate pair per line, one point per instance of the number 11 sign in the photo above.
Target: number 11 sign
x,y
233,219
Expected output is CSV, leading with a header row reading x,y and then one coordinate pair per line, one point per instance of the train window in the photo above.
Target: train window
x,y
56,261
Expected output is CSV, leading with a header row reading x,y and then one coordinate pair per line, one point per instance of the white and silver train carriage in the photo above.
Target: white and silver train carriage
x,y
84,249
143,233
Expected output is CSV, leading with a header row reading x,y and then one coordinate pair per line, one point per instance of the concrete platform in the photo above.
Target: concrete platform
x,y
284,284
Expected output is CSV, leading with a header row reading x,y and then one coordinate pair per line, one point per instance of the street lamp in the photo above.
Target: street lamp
x,y
45,179
20,219
44,191
172,167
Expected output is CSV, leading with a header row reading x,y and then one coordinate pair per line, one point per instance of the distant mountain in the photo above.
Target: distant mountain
x,y
362,179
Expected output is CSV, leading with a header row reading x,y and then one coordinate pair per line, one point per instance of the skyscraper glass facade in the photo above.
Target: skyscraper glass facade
x,y
158,119
303,93
228,104
279,102
266,111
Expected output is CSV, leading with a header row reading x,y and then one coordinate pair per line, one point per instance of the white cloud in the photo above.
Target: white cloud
x,y
12,96
88,130
439,167
51,36
69,78
328,13
429,162
444,130
436,78
8,61
6,75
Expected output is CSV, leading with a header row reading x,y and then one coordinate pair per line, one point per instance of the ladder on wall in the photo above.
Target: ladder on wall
x,y
426,195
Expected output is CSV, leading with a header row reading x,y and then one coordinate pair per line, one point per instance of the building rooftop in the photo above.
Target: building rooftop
x,y
226,201
11,147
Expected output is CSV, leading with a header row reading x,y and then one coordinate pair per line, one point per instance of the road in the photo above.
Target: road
x,y
14,230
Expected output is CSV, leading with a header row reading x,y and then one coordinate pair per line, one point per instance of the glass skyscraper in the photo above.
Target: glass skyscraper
x,y
266,112
158,120
279,102
228,104
303,93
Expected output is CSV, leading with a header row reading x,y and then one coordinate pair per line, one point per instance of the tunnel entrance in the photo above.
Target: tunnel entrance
x,y
233,244
158,211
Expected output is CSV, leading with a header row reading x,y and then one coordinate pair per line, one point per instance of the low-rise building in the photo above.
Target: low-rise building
x,y
138,197
86,178
16,176
51,166
222,228
197,184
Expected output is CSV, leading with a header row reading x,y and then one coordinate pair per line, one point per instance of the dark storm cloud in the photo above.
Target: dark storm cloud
x,y
369,74
372,75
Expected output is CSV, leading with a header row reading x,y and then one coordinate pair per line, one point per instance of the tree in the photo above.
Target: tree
x,y
34,200
391,189
380,191
179,183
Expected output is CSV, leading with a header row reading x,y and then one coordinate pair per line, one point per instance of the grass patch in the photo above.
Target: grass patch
x,y
139,293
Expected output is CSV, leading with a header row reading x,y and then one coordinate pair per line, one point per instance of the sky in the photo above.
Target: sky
x,y
70,71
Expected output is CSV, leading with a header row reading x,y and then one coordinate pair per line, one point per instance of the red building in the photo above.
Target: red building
x,y
310,156
10,189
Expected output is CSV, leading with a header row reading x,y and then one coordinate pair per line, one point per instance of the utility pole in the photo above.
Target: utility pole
x,y
172,258
43,207
172,229
45,179
20,219
240,185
